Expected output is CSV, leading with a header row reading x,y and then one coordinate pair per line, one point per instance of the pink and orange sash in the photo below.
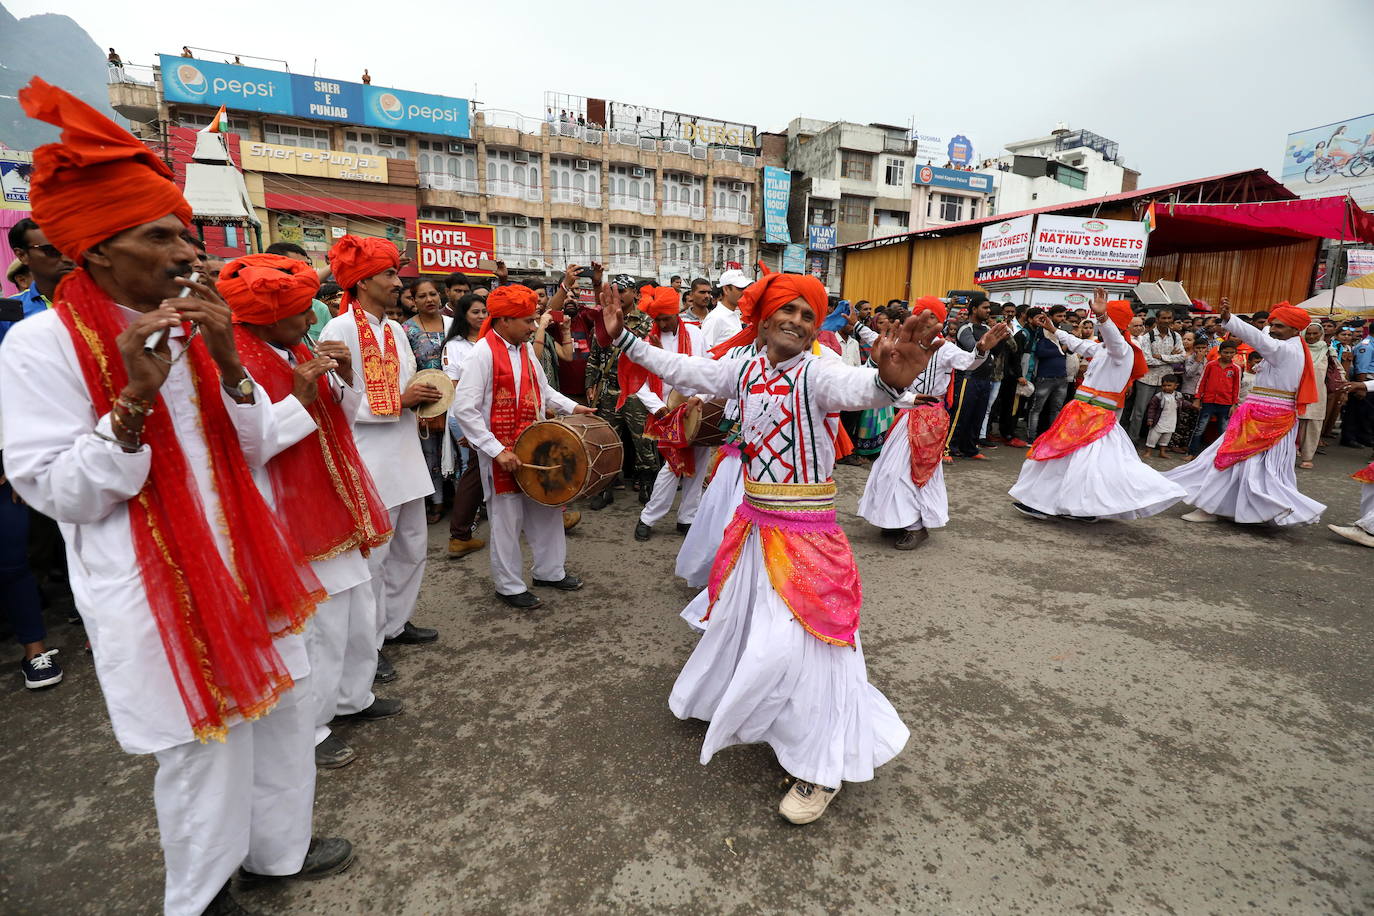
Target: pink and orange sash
x,y
1080,423
810,564
1256,426
927,428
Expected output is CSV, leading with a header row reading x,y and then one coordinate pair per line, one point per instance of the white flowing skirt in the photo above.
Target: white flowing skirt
x,y
718,505
1263,488
1366,507
758,676
891,498
1105,479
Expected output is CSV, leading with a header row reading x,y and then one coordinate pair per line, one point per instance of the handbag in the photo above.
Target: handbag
x,y
1335,375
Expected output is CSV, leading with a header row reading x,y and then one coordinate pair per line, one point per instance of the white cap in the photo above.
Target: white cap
x,y
734,278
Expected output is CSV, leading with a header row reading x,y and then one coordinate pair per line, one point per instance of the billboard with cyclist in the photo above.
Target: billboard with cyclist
x,y
1331,160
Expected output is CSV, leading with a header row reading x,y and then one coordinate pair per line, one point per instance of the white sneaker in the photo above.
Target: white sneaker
x,y
1197,515
805,801
1353,533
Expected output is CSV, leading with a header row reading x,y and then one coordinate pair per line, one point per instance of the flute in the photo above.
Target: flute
x,y
336,384
155,338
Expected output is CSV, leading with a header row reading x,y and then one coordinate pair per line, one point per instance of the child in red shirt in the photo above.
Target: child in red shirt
x,y
1216,393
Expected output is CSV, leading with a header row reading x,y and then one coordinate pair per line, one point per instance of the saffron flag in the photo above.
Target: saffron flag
x,y
1150,220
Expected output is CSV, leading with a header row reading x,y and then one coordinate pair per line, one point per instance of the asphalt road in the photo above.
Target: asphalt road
x,y
1128,717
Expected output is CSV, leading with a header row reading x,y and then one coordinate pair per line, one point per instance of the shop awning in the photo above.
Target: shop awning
x,y
1338,218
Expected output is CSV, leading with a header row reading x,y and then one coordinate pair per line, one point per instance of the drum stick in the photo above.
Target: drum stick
x,y
155,338
541,467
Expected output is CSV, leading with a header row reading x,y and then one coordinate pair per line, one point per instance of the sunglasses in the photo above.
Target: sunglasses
x,y
49,250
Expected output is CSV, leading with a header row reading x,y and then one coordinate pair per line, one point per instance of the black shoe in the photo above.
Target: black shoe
x,y
986,443
42,670
385,672
910,540
892,532
525,601
379,709
411,635
646,488
1027,510
565,584
224,904
332,753
602,499
684,527
327,856
643,532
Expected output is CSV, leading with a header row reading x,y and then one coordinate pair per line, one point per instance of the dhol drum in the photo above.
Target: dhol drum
x,y
706,426
567,457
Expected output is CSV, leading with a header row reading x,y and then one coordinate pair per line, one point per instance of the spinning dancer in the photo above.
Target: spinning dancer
x,y
905,494
1084,466
1247,474
1362,532
682,463
780,661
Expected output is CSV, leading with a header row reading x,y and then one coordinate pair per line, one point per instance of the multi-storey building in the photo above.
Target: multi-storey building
x,y
1065,166
649,199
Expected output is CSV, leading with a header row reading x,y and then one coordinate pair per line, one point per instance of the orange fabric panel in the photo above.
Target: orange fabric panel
x,y
876,274
945,263
1253,278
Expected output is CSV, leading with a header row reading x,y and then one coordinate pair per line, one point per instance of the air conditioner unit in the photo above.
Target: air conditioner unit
x,y
698,152
534,264
579,227
736,186
649,145
681,146
522,158
522,221
636,172
582,165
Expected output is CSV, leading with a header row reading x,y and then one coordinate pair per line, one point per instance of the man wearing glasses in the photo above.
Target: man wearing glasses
x,y
46,264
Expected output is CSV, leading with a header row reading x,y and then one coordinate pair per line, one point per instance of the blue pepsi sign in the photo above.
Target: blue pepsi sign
x,y
238,88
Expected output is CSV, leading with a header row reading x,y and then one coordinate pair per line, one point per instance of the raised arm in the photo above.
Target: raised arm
x,y
1077,345
1249,334
716,378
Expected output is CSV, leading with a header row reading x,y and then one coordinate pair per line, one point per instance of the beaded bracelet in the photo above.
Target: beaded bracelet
x,y
127,446
135,405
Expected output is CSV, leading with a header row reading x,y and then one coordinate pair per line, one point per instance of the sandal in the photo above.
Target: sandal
x,y
1305,465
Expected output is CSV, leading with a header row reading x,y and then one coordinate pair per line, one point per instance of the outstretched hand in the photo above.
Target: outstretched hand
x,y
611,312
903,352
995,335
1225,313
1099,303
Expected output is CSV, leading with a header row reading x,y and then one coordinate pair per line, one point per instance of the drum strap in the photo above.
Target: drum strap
x,y
511,414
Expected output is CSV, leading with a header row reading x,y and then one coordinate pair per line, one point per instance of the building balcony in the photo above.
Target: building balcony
x,y
134,99
577,197
634,264
500,188
732,215
443,181
633,204
690,211
522,258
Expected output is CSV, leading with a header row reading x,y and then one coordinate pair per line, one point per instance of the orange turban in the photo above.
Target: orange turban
x,y
768,294
354,258
1120,313
98,180
265,288
511,301
1298,319
659,300
933,305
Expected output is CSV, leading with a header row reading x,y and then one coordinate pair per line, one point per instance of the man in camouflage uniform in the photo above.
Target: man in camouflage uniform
x,y
603,390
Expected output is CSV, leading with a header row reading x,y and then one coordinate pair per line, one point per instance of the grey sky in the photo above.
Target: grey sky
x,y
1187,87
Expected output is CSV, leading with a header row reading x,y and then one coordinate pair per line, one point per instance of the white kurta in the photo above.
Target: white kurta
x,y
757,675
1366,520
1104,479
1264,487
720,324
62,469
891,498
510,514
666,483
341,638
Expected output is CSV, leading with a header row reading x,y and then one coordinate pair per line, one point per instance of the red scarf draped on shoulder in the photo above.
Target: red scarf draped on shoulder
x,y
216,621
633,376
510,416
326,520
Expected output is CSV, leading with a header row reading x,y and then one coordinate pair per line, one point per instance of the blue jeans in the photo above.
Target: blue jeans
x,y
18,587
1221,411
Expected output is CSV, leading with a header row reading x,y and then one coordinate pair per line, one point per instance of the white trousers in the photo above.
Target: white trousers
x,y
1366,508
665,488
341,643
398,566
508,516
246,801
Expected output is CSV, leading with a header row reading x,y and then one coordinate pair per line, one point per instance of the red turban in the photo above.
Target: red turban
x,y
1298,319
511,301
933,305
265,288
1121,313
659,300
768,294
354,258
98,180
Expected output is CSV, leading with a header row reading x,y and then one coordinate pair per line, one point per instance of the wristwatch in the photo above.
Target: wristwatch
x,y
243,390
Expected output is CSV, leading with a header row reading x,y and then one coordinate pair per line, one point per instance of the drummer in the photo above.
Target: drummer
x,y
687,466
494,403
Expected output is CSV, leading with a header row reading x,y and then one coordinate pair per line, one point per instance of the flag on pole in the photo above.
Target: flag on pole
x,y
1150,220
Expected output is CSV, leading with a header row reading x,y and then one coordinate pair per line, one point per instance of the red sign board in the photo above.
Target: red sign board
x,y
442,247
